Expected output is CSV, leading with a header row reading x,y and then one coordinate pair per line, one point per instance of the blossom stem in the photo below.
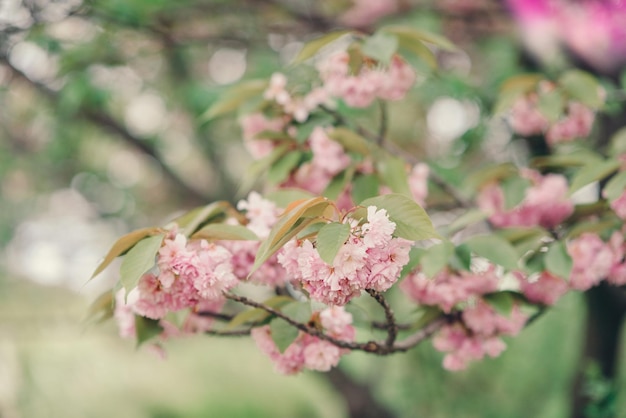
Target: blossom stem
x,y
392,327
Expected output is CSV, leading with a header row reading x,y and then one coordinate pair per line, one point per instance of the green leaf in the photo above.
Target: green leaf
x,y
418,48
513,88
462,258
436,258
257,314
514,190
618,143
338,184
381,46
350,140
615,187
289,224
490,173
123,244
283,333
102,308
494,249
257,168
365,186
415,256
330,239
558,261
393,173
235,97
311,48
146,329
220,231
280,170
470,217
139,260
283,197
583,87
502,302
411,220
593,172
409,33
551,105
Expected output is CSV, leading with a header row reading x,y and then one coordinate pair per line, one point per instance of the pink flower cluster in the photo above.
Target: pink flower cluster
x,y
546,202
477,335
261,215
366,12
546,288
297,108
526,119
189,272
600,33
361,89
595,260
307,351
253,124
449,288
371,258
329,159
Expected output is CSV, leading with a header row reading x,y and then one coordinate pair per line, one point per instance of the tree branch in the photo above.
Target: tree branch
x,y
392,327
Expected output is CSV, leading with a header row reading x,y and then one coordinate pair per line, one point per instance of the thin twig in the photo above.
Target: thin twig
x,y
233,333
392,327
382,130
215,315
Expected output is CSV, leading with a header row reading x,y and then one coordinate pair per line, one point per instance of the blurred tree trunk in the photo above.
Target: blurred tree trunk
x,y
359,399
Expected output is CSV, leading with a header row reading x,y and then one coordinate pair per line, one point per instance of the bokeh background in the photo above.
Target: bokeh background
x,y
101,132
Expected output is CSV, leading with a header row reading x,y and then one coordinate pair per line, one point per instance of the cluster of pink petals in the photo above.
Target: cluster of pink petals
x,y
297,108
576,123
189,272
261,215
546,288
253,124
600,27
360,90
596,260
371,258
546,202
477,335
329,159
366,12
526,119
449,288
418,182
307,351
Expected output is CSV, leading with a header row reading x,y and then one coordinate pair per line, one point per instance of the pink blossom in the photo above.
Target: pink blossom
x,y
484,320
277,89
124,314
337,322
617,275
378,229
321,356
261,214
525,117
546,289
252,125
327,154
619,205
577,123
366,12
546,202
593,259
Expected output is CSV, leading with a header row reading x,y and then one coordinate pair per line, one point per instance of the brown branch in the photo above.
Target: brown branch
x,y
234,333
215,315
106,123
392,327
375,347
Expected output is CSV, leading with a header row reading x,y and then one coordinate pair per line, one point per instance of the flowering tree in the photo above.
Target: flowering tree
x,y
343,212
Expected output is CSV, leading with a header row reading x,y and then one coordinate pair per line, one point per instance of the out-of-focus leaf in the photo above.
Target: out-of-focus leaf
x,y
283,197
381,46
470,217
102,308
551,105
558,261
139,260
436,258
235,97
194,219
146,329
494,249
593,172
573,159
582,87
393,173
350,140
409,33
514,190
415,256
616,186
365,186
283,333
502,302
280,170
311,48
412,222
618,143
490,173
338,184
